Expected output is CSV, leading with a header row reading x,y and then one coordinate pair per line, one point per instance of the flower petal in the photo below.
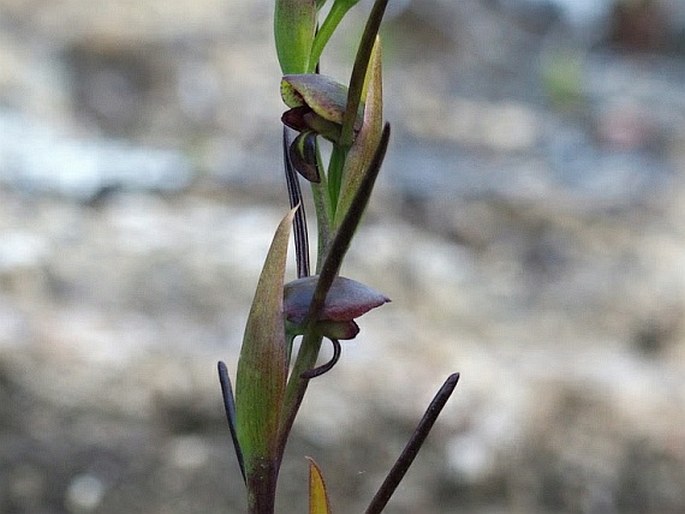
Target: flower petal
x,y
346,300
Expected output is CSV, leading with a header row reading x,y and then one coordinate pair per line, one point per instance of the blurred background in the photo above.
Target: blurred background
x,y
529,227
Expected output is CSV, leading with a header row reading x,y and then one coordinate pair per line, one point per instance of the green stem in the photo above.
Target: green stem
x,y
335,173
261,487
343,236
323,217
324,211
297,386
311,341
361,63
335,16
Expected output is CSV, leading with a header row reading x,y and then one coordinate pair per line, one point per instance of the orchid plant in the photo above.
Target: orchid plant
x,y
270,381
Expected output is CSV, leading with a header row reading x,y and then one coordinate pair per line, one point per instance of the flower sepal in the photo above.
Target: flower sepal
x,y
346,300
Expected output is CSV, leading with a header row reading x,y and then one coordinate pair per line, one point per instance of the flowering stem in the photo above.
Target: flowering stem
x,y
311,340
297,386
335,16
324,212
343,237
335,171
261,497
323,217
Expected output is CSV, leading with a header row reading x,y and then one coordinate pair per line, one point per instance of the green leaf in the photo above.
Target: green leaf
x,y
361,64
318,497
262,368
336,14
294,29
369,135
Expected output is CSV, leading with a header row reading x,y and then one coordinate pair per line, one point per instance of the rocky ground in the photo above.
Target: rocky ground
x,y
528,228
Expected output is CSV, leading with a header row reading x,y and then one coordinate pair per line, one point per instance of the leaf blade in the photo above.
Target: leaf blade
x,y
262,368
294,29
369,135
318,496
